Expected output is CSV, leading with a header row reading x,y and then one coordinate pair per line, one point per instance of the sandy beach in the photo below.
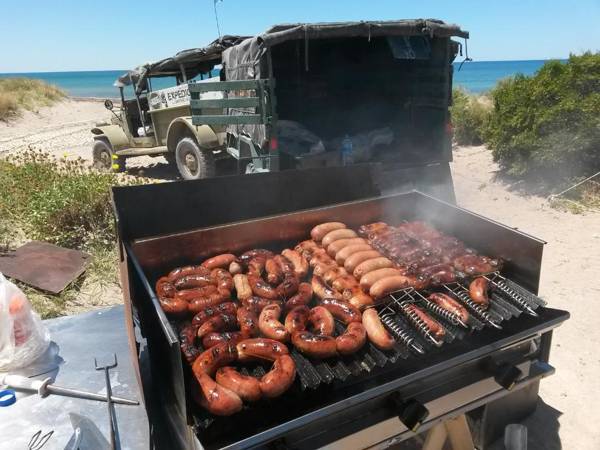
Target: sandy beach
x,y
569,399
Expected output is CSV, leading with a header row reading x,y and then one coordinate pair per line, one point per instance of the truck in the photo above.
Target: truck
x,y
298,96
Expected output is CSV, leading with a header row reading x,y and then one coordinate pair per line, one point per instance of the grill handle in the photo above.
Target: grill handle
x,y
504,373
411,412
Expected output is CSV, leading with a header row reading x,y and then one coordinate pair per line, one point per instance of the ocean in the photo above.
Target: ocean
x,y
475,77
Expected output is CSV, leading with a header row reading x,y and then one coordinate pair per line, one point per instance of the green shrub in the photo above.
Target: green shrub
x,y
27,93
548,126
469,115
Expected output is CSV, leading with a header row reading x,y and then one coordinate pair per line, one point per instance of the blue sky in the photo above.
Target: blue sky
x,y
40,35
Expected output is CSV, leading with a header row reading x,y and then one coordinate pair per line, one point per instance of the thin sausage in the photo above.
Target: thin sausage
x,y
352,340
212,339
173,306
356,258
224,308
433,325
218,323
245,386
346,251
323,291
314,345
193,281
344,282
279,378
342,310
217,399
242,286
387,285
274,272
261,288
357,298
187,338
319,232
332,274
179,272
250,254
371,265
321,321
260,349
190,294
298,261
222,278
218,356
296,319
337,246
449,304
367,280
221,261
248,321
199,303
288,287
478,291
269,324
164,288
256,303
302,297
336,235
376,332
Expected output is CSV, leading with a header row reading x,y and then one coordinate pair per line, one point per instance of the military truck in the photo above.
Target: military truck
x,y
300,96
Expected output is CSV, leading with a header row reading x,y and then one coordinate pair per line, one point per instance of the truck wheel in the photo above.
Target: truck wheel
x,y
193,163
104,159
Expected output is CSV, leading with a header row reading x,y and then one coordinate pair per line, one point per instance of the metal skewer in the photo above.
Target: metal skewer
x,y
115,443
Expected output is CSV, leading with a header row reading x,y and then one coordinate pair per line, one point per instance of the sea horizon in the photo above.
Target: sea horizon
x,y
473,76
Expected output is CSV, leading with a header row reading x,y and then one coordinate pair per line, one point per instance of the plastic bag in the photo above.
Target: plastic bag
x,y
23,336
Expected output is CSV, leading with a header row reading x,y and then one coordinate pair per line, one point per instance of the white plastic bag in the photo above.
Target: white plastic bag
x,y
23,336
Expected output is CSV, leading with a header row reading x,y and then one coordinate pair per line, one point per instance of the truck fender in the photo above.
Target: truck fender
x,y
114,134
183,127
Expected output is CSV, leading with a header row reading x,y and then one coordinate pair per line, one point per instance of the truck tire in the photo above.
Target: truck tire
x,y
104,158
192,162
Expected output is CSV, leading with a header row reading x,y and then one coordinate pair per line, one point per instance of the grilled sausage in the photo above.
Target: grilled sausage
x,y
321,321
261,288
366,230
367,280
164,288
356,258
229,308
260,349
212,339
242,286
387,285
199,303
250,254
341,310
248,321
344,283
179,272
217,399
173,306
314,345
478,291
298,261
332,274
187,344
288,287
221,261
235,268
218,323
352,340
434,327
274,272
193,281
307,248
302,297
222,278
376,332
357,298
449,304
269,324
218,356
370,265
245,386
256,303
337,246
296,319
190,294
279,378
475,264
321,230
348,250
285,265
256,265
321,290
336,235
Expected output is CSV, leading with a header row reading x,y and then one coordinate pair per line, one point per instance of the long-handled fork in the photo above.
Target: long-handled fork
x,y
114,430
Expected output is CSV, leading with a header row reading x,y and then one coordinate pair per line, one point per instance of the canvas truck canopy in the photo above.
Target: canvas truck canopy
x,y
193,61
368,80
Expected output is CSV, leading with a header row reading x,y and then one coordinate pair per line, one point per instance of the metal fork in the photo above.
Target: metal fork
x,y
114,430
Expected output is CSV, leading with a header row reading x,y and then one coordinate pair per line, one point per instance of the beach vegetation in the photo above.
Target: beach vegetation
x,y
17,94
546,127
470,115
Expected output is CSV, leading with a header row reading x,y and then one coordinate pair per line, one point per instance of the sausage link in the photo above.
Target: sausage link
x,y
216,324
199,303
357,298
450,304
256,265
245,386
221,261
216,399
342,310
250,254
164,288
478,291
356,258
371,264
190,294
302,297
332,274
212,339
298,261
179,272
224,308
260,349
321,321
173,306
218,356
279,378
367,280
323,291
222,278
269,324
336,247
386,286
274,272
242,286
344,282
335,235
288,287
376,332
314,345
352,340
433,325
262,288
349,250
187,342
319,231
256,303
248,321
296,319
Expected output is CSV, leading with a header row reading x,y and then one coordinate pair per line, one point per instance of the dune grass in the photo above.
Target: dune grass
x,y
17,94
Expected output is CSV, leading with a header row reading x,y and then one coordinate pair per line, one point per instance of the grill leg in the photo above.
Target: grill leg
x,y
457,430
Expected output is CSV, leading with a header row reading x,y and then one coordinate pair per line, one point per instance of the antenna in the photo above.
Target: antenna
x,y
217,16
